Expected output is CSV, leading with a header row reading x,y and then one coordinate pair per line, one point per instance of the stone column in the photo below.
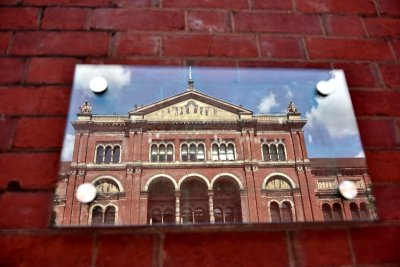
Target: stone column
x,y
211,206
245,206
177,208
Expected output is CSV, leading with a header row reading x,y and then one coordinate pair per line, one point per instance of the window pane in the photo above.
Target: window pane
x,y
108,155
199,215
187,216
99,154
327,212
200,152
281,152
287,212
337,212
228,212
162,153
154,153
222,152
214,152
231,152
184,153
97,216
265,150
355,215
218,215
169,216
156,217
116,154
192,152
364,211
170,153
274,211
274,154
109,218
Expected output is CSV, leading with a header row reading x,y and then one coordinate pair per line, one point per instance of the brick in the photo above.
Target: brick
x,y
371,103
34,101
376,245
277,47
212,63
208,21
5,38
92,3
231,4
382,27
6,133
324,48
359,75
54,249
344,26
272,4
51,70
60,43
135,19
9,2
383,165
276,23
390,74
39,133
390,7
225,249
377,133
146,62
314,247
112,247
19,18
25,210
284,64
207,45
31,170
127,44
396,48
137,3
12,70
387,200
65,18
335,6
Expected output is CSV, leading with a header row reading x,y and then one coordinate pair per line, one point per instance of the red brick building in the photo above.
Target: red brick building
x,y
192,158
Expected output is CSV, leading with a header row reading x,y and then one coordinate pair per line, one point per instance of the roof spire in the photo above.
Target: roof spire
x,y
190,82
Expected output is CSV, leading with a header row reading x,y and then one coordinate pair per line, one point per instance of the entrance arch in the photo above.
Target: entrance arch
x,y
194,204
161,201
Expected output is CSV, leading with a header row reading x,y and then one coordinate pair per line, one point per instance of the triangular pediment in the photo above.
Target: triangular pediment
x,y
190,106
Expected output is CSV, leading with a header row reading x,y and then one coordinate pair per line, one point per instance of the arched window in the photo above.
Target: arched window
x,y
168,216
327,212
116,154
218,215
200,152
184,152
199,215
97,216
161,155
186,215
274,212
222,152
231,152
355,214
228,215
192,152
109,217
273,152
287,212
156,217
154,153
281,152
265,150
99,154
170,153
337,212
214,152
364,214
108,155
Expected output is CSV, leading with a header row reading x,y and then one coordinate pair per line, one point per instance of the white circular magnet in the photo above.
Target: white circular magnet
x,y
348,189
98,85
85,193
325,87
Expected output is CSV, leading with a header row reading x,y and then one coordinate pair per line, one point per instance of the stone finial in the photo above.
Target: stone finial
x,y
85,108
291,108
190,82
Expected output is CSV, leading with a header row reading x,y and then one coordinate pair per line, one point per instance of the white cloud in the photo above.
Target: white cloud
x,y
116,76
267,103
68,147
335,111
289,93
361,154
310,139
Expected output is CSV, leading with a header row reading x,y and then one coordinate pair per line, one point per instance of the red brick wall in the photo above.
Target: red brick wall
x,y
42,40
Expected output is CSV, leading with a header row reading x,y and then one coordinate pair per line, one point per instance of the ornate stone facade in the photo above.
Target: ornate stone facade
x,y
192,158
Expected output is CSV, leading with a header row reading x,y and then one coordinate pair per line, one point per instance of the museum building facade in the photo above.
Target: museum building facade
x,y
193,158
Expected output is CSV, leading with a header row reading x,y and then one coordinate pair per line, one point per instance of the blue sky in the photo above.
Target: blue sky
x,y
331,130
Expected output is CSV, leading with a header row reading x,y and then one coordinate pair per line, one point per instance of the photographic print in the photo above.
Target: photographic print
x,y
182,145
